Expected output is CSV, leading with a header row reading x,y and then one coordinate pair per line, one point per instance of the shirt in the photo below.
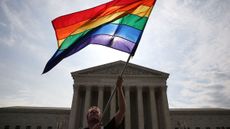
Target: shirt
x,y
110,125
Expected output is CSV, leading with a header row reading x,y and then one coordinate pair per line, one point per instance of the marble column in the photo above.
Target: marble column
x,y
100,98
165,107
127,112
113,104
153,108
73,124
140,108
87,104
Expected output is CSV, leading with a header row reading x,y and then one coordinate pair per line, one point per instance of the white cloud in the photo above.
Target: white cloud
x,y
192,43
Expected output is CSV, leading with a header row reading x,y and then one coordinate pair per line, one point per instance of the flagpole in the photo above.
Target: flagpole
x,y
114,89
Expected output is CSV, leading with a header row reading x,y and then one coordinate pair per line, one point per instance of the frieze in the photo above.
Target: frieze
x,y
117,67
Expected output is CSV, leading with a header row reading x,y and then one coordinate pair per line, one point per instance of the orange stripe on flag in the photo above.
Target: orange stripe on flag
x,y
141,11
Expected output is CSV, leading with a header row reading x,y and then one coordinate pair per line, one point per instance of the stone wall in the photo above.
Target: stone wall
x,y
57,118
200,118
33,118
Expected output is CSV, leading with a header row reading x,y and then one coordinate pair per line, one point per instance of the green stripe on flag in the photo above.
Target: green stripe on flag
x,y
133,21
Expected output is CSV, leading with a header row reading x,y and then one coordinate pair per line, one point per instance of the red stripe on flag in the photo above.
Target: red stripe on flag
x,y
92,13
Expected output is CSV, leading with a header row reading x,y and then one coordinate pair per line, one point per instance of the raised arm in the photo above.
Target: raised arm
x,y
121,111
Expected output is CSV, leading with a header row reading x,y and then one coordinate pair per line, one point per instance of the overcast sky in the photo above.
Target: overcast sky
x,y
190,39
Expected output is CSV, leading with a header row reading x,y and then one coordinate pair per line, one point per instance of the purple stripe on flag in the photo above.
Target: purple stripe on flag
x,y
105,40
113,42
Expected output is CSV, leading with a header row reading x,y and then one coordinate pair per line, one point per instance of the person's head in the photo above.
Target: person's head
x,y
93,115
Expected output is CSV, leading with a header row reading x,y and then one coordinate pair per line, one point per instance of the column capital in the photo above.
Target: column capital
x,y
126,87
88,87
164,87
139,88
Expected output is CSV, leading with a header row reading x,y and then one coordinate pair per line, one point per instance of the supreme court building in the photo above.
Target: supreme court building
x,y
145,94
146,103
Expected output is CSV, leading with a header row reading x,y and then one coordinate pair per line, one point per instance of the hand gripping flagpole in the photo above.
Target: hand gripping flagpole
x,y
114,90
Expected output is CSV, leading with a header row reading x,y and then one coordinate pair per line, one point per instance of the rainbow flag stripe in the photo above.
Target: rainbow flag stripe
x,y
118,24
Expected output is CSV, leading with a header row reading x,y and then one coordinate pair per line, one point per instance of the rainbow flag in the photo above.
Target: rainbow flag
x,y
118,24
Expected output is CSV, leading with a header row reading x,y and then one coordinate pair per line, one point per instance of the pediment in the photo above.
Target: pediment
x,y
116,68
